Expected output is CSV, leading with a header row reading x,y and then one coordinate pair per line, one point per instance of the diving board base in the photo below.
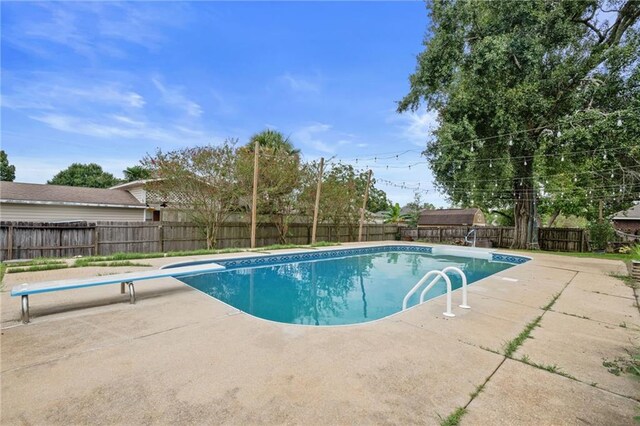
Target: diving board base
x,y
24,299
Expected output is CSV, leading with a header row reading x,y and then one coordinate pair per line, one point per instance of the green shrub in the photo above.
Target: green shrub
x,y
600,234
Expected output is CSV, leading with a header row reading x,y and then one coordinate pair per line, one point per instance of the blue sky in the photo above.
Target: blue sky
x,y
109,82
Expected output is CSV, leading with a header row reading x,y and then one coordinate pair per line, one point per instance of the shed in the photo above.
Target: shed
x,y
451,217
31,202
628,221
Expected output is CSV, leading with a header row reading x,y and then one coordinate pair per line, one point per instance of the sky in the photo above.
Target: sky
x,y
110,82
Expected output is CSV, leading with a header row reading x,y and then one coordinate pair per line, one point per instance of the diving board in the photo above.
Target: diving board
x,y
27,289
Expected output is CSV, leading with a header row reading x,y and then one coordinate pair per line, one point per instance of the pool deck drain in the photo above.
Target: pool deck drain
x,y
178,356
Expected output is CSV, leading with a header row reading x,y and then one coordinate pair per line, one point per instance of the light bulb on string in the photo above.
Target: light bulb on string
x,y
525,161
562,158
490,164
510,141
559,133
604,156
471,147
619,123
612,174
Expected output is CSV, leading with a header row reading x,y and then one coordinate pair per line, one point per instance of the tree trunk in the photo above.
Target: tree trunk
x,y
553,218
524,205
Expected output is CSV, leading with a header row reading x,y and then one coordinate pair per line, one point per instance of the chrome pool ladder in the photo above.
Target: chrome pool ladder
x,y
438,275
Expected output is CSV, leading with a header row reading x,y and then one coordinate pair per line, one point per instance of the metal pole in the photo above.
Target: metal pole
x,y
364,205
317,205
254,204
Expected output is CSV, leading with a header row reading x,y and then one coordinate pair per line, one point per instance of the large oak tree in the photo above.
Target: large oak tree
x,y
538,104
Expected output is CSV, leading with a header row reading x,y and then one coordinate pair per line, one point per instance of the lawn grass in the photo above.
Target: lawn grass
x,y
625,257
124,259
280,247
131,256
113,263
35,268
3,269
36,262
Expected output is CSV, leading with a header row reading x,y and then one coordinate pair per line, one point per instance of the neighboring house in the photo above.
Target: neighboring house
x,y
628,221
29,202
451,217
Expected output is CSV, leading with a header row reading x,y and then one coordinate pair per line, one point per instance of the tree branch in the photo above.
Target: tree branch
x,y
587,22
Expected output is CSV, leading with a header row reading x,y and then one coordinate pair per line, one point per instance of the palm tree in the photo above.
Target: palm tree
x,y
136,173
273,140
394,215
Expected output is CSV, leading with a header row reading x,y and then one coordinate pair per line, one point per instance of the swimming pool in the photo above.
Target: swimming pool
x,y
337,287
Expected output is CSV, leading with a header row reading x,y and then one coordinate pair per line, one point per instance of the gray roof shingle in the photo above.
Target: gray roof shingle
x,y
632,213
38,193
447,217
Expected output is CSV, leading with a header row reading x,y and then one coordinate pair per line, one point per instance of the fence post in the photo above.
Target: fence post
x,y
500,237
10,243
364,205
581,240
439,235
95,239
317,204
161,237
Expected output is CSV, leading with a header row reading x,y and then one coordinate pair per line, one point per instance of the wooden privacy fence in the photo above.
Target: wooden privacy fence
x,y
28,240
552,239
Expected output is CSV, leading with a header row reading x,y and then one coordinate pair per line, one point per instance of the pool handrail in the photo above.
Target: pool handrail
x,y
429,274
464,304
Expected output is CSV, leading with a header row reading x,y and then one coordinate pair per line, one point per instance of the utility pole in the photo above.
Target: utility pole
x,y
254,204
364,205
317,205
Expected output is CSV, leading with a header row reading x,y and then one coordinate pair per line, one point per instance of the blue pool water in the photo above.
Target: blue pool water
x,y
335,291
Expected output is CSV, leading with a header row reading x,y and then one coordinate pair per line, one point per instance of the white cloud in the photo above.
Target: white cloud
x,y
311,136
92,29
301,84
43,91
173,96
119,127
416,127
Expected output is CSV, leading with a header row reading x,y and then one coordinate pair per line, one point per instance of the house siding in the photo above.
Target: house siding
x,y
53,213
139,193
627,226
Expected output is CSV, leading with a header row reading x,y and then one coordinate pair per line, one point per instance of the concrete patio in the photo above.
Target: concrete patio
x,y
179,356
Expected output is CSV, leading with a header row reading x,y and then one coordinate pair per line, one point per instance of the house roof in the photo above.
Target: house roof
x,y
34,193
447,217
632,213
133,184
